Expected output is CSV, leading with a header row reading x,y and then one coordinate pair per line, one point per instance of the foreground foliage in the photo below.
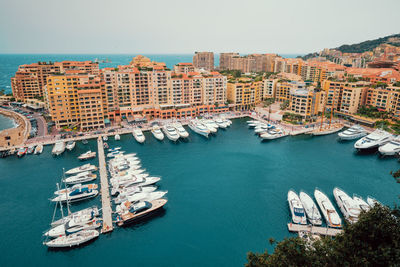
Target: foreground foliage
x,y
373,241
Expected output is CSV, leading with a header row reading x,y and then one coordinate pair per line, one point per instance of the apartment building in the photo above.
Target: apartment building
x,y
305,102
204,60
184,68
352,99
285,88
269,88
244,95
249,63
225,60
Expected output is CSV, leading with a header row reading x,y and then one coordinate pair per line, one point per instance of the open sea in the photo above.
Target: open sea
x,y
226,196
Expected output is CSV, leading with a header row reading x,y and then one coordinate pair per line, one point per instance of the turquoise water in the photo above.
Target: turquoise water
x,y
227,195
9,62
6,123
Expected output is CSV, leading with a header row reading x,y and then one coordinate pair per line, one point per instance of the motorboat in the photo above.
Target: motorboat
x,y
347,205
84,141
114,149
373,140
78,194
30,149
312,212
354,132
122,197
70,145
130,190
253,124
328,129
274,133
296,208
38,149
138,134
83,168
73,188
105,138
117,137
22,151
135,211
262,128
79,178
74,225
105,145
138,182
129,177
221,123
181,131
170,132
58,148
331,216
157,133
210,125
141,196
391,148
372,202
75,239
198,128
90,212
87,155
361,203
115,153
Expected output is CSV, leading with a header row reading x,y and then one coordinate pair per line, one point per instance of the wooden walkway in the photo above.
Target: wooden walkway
x,y
314,229
105,193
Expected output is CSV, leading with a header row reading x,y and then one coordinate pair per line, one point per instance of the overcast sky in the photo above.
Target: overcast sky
x,y
184,26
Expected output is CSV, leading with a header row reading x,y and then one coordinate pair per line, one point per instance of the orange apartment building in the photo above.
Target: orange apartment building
x,y
244,95
204,60
184,68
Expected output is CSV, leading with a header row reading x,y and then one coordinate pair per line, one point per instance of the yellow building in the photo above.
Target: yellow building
x,y
305,102
284,88
76,101
352,99
244,95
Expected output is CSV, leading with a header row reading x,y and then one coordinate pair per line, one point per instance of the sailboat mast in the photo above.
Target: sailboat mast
x,y
323,112
333,103
61,208
66,192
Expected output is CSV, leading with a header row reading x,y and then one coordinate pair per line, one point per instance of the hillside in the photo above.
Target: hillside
x,y
364,46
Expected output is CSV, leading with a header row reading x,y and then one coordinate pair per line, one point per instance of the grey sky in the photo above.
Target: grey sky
x,y
184,26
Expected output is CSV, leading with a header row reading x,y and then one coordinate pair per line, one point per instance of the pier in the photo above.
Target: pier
x,y
105,193
313,229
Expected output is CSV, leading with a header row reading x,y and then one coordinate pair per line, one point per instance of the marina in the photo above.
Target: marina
x,y
249,178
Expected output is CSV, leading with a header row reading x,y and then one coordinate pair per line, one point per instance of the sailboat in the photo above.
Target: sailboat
x,y
330,128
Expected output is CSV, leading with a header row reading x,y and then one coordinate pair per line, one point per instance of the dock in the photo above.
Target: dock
x,y
313,229
105,193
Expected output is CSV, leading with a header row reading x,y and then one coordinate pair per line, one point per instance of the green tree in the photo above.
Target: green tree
x,y
372,241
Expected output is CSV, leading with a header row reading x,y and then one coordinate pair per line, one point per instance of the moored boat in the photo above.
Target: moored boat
x,y
70,145
139,210
88,212
59,148
373,140
313,214
361,203
87,155
157,133
391,148
82,177
273,133
75,239
296,208
331,216
329,129
138,135
354,132
30,149
372,201
38,149
347,205
170,132
117,137
78,194
198,128
85,167
22,151
181,131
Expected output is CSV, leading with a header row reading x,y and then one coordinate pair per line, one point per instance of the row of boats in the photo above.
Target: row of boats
x,y
303,207
74,229
387,143
134,191
266,131
30,150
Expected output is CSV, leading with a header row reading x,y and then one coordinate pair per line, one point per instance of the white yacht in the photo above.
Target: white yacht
x,y
332,218
296,208
391,148
181,131
115,153
70,145
117,137
221,123
83,168
198,128
105,138
253,124
373,140
87,155
79,178
272,134
157,133
126,194
313,214
138,134
372,201
90,212
347,205
209,125
59,148
170,132
261,128
361,203
75,239
74,225
78,194
140,197
354,132
31,149
38,149
73,188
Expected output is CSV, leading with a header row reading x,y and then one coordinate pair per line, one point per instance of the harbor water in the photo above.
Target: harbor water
x,y
226,196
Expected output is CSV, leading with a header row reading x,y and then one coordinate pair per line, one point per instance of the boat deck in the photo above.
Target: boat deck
x,y
313,229
105,192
